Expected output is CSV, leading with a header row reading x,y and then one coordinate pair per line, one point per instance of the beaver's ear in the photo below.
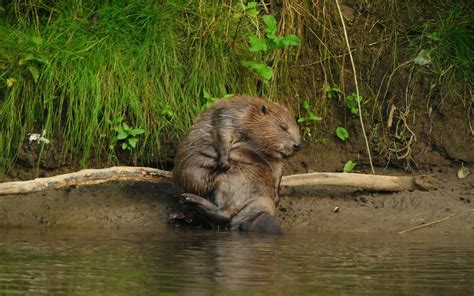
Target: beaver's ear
x,y
264,109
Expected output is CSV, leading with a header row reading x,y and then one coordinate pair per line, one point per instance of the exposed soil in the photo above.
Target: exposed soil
x,y
143,205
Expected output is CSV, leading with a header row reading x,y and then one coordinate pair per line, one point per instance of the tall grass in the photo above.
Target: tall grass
x,y
73,67
77,67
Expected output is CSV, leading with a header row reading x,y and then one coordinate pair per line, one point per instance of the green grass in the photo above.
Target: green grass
x,y
448,36
83,65
73,67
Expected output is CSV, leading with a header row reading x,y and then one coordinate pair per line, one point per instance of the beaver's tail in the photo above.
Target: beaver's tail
x,y
264,223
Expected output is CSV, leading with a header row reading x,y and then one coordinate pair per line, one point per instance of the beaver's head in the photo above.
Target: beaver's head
x,y
273,129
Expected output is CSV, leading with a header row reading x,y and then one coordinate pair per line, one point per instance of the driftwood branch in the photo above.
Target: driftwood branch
x,y
145,174
87,177
360,181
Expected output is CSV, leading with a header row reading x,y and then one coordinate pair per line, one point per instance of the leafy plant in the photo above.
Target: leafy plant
x,y
274,40
33,60
250,8
125,135
349,166
308,117
332,92
263,45
211,100
166,113
352,101
342,133
264,71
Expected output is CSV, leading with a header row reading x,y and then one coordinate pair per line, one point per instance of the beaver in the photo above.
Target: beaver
x,y
229,164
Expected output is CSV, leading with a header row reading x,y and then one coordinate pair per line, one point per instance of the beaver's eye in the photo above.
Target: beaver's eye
x,y
264,109
284,126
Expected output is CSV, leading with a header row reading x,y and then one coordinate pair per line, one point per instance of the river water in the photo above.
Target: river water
x,y
173,261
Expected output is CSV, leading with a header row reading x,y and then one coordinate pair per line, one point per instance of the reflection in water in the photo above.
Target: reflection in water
x,y
190,262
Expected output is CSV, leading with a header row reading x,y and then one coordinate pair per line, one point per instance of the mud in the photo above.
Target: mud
x,y
145,206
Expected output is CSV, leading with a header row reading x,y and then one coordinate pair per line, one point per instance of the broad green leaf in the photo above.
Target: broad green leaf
x,y
271,24
263,70
314,117
257,44
277,42
342,133
301,119
126,128
125,146
118,119
207,96
248,64
121,134
136,131
250,5
31,57
290,40
228,96
133,142
349,166
34,72
252,13
306,105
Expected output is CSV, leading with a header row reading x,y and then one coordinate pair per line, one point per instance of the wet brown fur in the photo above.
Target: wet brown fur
x,y
231,158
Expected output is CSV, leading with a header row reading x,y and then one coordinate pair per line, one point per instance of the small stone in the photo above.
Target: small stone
x,y
463,172
336,210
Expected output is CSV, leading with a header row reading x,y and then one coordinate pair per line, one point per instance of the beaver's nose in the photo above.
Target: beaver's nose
x,y
296,147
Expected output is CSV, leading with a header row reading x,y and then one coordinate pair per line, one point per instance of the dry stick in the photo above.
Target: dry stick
x,y
431,223
87,177
427,224
356,85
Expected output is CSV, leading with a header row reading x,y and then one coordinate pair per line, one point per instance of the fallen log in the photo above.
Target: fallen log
x,y
145,174
87,177
360,181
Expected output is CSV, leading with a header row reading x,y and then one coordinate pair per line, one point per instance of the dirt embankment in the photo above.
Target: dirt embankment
x,y
142,205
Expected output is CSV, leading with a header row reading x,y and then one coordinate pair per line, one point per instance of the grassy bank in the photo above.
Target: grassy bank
x,y
81,72
103,80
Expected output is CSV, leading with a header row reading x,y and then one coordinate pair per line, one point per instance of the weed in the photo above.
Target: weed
x,y
352,101
125,135
332,92
342,133
272,41
349,166
308,118
209,100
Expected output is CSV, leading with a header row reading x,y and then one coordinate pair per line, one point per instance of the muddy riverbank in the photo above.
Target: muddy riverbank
x,y
146,206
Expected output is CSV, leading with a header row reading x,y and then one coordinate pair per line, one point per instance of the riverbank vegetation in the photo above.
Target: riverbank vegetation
x,y
107,82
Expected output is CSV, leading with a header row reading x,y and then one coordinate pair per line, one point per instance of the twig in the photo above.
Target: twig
x,y
356,85
426,225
